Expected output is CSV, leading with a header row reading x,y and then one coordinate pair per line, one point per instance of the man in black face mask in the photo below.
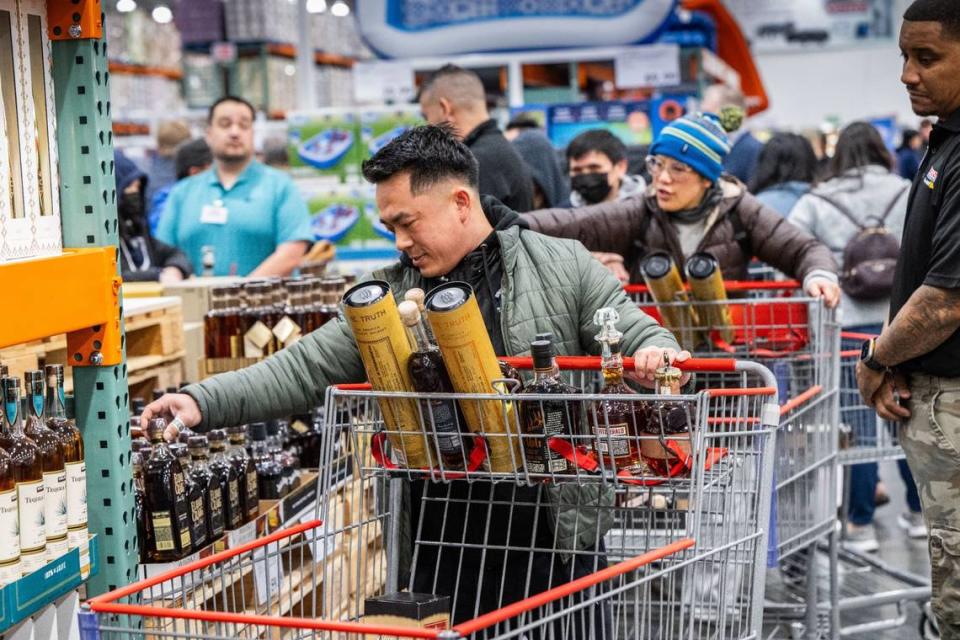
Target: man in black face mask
x,y
597,161
142,257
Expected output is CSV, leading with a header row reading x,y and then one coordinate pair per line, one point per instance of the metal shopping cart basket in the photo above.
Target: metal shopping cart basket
x,y
490,540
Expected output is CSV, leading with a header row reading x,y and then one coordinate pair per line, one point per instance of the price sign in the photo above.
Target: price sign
x,y
650,66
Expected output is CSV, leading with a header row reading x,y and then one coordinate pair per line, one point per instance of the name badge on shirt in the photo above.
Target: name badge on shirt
x,y
214,213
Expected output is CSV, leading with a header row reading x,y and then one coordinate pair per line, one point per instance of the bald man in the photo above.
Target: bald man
x,y
455,96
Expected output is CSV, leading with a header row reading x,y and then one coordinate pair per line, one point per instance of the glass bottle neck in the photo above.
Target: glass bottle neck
x,y
56,403
547,373
611,362
421,338
35,406
12,418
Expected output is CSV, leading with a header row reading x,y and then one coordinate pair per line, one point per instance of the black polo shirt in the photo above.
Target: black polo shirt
x,y
930,248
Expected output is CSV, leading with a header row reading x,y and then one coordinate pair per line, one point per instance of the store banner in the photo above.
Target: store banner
x,y
414,28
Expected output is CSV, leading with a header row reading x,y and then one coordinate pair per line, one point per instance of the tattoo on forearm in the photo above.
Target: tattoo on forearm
x,y
930,316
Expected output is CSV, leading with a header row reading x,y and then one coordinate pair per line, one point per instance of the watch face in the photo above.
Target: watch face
x,y
865,351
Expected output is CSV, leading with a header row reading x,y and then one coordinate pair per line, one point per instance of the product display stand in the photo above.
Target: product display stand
x,y
78,293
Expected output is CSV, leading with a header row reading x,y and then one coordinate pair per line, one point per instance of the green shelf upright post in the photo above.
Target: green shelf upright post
x,y
89,217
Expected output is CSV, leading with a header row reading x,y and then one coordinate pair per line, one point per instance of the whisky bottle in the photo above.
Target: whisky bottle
x,y
199,535
221,324
71,440
270,481
165,493
54,471
246,472
297,317
545,419
257,320
141,451
667,417
28,475
617,423
210,486
230,483
9,536
286,457
428,374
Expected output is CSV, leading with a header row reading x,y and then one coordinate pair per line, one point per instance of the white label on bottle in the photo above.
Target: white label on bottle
x,y
163,531
30,562
79,539
30,502
612,439
9,534
10,572
57,548
77,495
55,504
256,339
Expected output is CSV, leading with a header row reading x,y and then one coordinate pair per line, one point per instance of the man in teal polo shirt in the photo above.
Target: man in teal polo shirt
x,y
246,217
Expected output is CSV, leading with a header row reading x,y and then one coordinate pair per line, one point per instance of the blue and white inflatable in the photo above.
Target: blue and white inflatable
x,y
412,28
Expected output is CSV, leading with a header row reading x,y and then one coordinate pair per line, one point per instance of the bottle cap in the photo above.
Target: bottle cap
x,y
33,381
409,313
542,352
158,393
416,296
668,375
258,431
216,437
449,296
155,429
657,265
55,370
197,442
544,336
700,266
366,293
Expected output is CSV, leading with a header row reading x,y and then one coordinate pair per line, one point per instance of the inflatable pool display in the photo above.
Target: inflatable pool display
x,y
334,222
327,148
373,216
410,28
383,139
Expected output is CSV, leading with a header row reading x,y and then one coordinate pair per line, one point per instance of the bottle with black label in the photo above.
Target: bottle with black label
x,y
285,457
165,494
71,440
545,419
210,485
54,471
229,480
27,467
429,375
9,536
140,452
269,472
246,472
198,516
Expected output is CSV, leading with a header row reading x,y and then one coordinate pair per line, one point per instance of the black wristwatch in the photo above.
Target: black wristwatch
x,y
867,352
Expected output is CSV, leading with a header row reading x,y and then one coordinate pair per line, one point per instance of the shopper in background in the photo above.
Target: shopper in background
x,y
160,169
597,163
731,105
785,171
863,193
690,207
520,123
456,96
251,216
549,183
910,153
275,153
427,193
911,373
191,158
142,257
926,126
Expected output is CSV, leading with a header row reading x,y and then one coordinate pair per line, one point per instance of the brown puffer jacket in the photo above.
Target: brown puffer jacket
x,y
636,227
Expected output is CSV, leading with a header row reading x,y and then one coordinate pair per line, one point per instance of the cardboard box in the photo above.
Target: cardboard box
x,y
15,233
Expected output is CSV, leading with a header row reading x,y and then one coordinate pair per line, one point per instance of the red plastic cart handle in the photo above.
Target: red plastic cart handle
x,y
732,285
592,363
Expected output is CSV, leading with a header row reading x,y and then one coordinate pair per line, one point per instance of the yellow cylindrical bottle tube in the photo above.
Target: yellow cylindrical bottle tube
x,y
472,364
384,348
706,285
662,277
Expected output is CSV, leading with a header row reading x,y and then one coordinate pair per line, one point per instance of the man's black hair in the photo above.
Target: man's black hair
x,y
190,154
220,101
946,12
599,140
430,154
523,121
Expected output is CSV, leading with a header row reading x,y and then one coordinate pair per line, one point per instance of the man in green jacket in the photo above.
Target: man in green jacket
x,y
525,284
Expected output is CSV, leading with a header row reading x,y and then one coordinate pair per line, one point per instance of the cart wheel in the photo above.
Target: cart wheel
x,y
928,624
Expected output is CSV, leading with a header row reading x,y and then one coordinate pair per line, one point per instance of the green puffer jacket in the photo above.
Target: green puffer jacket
x,y
548,285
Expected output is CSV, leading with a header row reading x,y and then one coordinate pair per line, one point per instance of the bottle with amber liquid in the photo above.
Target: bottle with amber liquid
x,y
221,325
258,320
229,479
9,536
668,418
210,486
246,472
71,441
545,419
54,471
199,535
27,466
297,317
617,423
429,375
141,451
165,494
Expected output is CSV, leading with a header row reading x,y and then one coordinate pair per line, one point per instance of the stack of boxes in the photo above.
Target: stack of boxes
x,y
261,20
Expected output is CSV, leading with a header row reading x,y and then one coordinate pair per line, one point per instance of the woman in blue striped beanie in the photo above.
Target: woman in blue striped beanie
x,y
691,206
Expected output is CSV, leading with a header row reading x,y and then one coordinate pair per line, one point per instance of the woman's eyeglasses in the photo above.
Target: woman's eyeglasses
x,y
656,166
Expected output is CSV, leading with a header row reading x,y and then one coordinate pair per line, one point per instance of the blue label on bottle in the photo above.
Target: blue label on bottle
x,y
60,394
11,409
38,403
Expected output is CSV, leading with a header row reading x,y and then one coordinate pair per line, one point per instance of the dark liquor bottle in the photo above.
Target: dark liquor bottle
x,y
617,423
258,320
9,538
429,375
667,417
54,471
246,472
285,457
72,442
221,324
165,493
27,467
269,472
199,535
141,451
230,482
210,485
545,419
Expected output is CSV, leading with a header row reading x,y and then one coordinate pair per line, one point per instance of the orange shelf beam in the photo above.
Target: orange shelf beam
x,y
74,19
77,293
145,70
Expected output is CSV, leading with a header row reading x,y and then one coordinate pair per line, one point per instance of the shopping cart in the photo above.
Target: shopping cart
x,y
487,540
